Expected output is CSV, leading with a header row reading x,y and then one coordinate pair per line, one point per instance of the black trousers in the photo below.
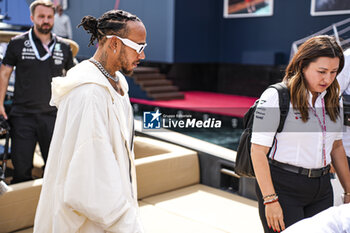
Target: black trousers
x,y
299,196
26,132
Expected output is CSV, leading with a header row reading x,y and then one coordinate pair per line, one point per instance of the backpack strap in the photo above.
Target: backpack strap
x,y
284,102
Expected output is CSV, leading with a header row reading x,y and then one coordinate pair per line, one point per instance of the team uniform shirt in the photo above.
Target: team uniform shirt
x,y
299,144
344,82
90,180
62,26
33,77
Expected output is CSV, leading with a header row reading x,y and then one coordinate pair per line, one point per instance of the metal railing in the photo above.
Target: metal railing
x,y
340,30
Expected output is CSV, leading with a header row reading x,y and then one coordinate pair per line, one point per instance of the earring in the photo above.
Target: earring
x,y
113,51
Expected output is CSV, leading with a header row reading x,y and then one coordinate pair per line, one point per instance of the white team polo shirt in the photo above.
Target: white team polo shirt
x,y
299,144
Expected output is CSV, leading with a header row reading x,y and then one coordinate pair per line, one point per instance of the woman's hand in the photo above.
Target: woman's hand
x,y
346,198
273,211
274,216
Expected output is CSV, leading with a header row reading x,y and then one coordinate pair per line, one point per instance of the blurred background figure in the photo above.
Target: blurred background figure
x,y
250,6
62,26
344,82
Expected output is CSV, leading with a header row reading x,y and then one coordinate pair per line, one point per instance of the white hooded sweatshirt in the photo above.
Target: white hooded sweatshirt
x,y
89,182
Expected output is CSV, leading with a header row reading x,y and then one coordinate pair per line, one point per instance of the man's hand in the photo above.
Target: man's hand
x,y
5,73
2,111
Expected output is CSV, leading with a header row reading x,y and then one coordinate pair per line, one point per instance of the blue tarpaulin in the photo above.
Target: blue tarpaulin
x,y
17,12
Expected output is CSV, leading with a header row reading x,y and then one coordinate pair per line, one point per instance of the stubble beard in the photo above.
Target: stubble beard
x,y
44,31
124,64
127,72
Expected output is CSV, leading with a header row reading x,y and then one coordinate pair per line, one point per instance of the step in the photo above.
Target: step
x,y
167,96
157,89
148,76
143,70
155,82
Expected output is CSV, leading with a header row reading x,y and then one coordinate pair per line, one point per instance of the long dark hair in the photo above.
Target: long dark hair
x,y
310,51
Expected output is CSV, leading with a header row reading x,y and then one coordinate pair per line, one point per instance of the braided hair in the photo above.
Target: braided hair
x,y
113,21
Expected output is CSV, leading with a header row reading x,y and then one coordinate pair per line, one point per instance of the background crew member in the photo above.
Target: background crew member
x,y
344,82
90,179
38,56
62,26
294,183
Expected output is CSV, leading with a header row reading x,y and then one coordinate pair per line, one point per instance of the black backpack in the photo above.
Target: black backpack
x,y
244,166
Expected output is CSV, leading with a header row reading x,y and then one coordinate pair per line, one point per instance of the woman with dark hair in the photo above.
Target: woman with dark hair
x,y
292,167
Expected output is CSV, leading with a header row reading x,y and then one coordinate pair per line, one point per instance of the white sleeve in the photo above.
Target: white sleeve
x,y
332,220
93,186
344,76
266,118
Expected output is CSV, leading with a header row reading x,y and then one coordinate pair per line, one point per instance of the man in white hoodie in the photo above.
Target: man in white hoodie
x,y
90,182
335,219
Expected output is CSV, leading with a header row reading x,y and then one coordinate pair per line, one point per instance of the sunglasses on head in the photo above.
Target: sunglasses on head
x,y
135,46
